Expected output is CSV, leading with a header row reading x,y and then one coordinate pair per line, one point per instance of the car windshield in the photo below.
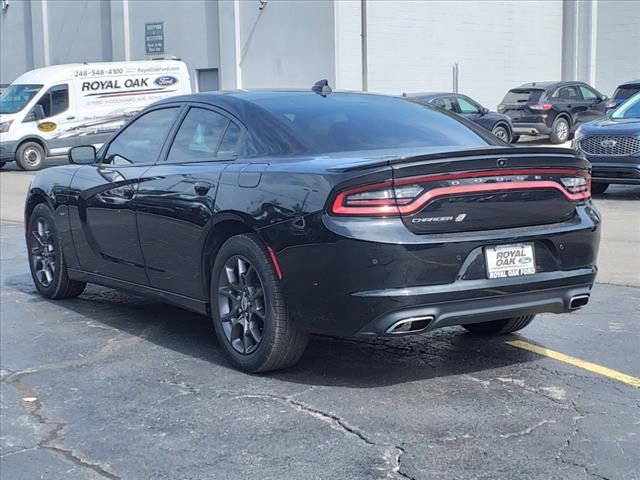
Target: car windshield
x,y
16,97
347,122
629,109
622,93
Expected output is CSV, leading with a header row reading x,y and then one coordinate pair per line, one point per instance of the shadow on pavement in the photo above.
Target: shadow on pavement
x,y
329,361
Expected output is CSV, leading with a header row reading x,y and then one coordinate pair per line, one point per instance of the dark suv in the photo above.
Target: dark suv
x,y
623,92
556,109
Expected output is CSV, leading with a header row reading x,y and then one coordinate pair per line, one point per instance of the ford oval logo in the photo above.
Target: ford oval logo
x,y
524,260
165,80
608,143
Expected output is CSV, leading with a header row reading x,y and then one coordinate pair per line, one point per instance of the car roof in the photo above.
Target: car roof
x,y
632,82
429,95
548,85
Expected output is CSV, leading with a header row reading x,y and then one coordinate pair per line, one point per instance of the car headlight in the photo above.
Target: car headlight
x,y
577,137
4,126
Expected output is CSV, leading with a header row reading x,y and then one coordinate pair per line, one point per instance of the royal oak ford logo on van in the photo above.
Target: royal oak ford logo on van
x,y
165,80
116,84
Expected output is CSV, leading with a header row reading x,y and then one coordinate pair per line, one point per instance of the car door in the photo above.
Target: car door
x,y
175,204
52,118
568,99
103,222
595,106
470,110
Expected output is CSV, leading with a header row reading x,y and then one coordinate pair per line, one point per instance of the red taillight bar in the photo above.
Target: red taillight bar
x,y
392,206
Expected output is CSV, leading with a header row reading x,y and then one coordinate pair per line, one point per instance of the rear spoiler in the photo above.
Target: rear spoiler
x,y
478,153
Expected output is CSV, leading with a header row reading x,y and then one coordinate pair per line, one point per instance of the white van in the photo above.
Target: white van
x,y
49,110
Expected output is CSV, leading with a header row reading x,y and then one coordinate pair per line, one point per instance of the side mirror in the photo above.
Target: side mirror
x,y
484,110
604,97
83,155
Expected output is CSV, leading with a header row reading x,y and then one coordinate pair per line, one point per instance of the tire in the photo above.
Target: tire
x,y
2,164
500,327
515,138
30,156
598,188
560,131
254,330
502,133
46,258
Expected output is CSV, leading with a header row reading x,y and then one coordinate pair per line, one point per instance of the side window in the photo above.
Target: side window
x,y
588,94
446,103
198,138
568,93
55,100
466,106
229,144
141,141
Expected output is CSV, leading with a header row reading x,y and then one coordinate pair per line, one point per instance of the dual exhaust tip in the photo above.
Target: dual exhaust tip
x,y
410,325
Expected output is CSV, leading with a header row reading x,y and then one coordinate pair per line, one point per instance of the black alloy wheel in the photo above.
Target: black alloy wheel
x,y
43,252
241,304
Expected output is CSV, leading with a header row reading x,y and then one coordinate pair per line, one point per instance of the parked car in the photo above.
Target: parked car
x,y
284,213
496,123
555,109
46,111
623,92
612,145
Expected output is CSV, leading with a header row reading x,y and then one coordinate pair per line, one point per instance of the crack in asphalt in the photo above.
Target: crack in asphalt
x,y
393,453
54,440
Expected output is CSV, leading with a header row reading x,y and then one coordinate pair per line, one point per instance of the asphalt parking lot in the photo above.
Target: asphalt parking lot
x,y
113,386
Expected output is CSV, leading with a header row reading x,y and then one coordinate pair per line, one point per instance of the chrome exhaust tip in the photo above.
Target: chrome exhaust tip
x,y
578,301
410,325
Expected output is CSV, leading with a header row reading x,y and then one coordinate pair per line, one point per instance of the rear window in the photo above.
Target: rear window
x,y
349,122
522,95
622,93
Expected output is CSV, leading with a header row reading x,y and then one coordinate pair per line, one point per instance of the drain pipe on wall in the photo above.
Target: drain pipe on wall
x,y
363,35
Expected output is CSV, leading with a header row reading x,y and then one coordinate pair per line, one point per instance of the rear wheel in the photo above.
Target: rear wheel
x,y
2,164
502,133
249,310
559,131
500,327
598,188
30,156
46,258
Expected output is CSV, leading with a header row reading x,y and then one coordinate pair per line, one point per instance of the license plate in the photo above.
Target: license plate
x,y
506,261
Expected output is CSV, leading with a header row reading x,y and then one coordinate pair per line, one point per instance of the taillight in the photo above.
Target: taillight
x,y
406,196
580,184
377,199
541,106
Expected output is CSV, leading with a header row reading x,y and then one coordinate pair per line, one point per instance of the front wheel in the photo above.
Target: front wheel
x,y
30,156
502,133
500,327
559,131
249,309
46,258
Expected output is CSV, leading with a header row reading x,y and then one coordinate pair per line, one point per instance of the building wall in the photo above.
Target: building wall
x,y
287,43
348,51
617,54
16,43
413,45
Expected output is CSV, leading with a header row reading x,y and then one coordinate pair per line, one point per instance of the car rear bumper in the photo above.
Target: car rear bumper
x,y
361,276
531,129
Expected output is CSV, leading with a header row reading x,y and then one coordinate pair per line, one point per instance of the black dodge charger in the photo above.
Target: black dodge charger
x,y
280,214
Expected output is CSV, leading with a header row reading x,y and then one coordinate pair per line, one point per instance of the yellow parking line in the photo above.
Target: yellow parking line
x,y
576,362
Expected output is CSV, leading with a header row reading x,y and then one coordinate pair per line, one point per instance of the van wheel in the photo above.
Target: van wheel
x,y
560,131
249,311
30,156
500,327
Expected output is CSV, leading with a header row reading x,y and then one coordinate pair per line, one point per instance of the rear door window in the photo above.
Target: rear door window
x,y
445,102
198,137
569,93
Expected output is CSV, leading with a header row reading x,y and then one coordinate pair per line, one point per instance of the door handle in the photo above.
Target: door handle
x,y
71,118
202,188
